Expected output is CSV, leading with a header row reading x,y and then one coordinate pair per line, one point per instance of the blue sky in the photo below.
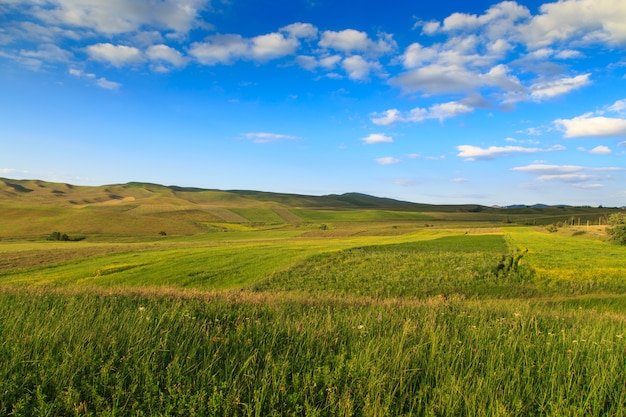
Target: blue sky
x,y
431,102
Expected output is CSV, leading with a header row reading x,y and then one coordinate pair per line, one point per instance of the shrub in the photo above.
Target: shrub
x,y
63,237
617,228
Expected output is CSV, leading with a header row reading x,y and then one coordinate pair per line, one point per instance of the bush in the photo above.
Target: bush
x,y
617,228
63,237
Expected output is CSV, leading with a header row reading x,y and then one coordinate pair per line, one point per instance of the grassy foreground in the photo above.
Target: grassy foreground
x,y
172,353
384,316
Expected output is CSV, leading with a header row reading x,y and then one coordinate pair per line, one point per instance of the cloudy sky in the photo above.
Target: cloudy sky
x,y
432,102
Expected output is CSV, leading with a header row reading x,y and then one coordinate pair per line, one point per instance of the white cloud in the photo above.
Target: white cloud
x,y
416,55
568,54
586,21
566,173
387,160
358,68
475,153
116,55
349,41
264,137
440,111
219,49
300,30
374,138
166,54
475,43
443,78
311,63
554,88
106,84
430,28
387,117
618,107
622,144
601,150
589,126
586,186
497,21
48,53
226,49
80,73
271,46
100,82
121,16
446,110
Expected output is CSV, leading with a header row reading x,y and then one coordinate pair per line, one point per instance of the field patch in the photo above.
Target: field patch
x,y
357,215
571,263
472,265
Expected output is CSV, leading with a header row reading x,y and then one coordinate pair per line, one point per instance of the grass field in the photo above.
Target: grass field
x,y
298,311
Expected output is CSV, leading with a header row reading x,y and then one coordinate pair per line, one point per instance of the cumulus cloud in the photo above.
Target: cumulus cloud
x,y
166,54
475,153
271,46
358,68
440,111
264,137
311,63
219,49
300,30
588,125
350,41
498,21
116,55
374,138
387,160
226,49
587,21
472,57
121,16
601,150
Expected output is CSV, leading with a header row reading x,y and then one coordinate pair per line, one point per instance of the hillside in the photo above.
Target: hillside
x,y
141,194
34,208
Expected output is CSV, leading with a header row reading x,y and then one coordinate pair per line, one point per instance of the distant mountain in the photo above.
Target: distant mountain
x,y
522,206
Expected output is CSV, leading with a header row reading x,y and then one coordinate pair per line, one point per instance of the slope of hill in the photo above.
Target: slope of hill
x,y
140,194
31,208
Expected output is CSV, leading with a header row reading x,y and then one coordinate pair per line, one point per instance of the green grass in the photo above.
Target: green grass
x,y
572,263
239,354
471,265
342,313
358,215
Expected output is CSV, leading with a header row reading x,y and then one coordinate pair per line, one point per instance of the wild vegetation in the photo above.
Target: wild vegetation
x,y
292,306
617,228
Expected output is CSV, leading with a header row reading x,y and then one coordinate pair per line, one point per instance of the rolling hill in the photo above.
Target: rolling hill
x,y
32,208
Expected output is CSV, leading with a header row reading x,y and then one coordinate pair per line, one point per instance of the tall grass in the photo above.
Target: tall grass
x,y
242,354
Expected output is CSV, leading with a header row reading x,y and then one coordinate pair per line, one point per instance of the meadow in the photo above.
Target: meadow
x,y
306,311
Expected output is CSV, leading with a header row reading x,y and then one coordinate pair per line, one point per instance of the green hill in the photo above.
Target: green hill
x,y
34,208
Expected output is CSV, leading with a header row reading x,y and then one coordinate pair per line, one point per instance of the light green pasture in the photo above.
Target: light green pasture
x,y
576,263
